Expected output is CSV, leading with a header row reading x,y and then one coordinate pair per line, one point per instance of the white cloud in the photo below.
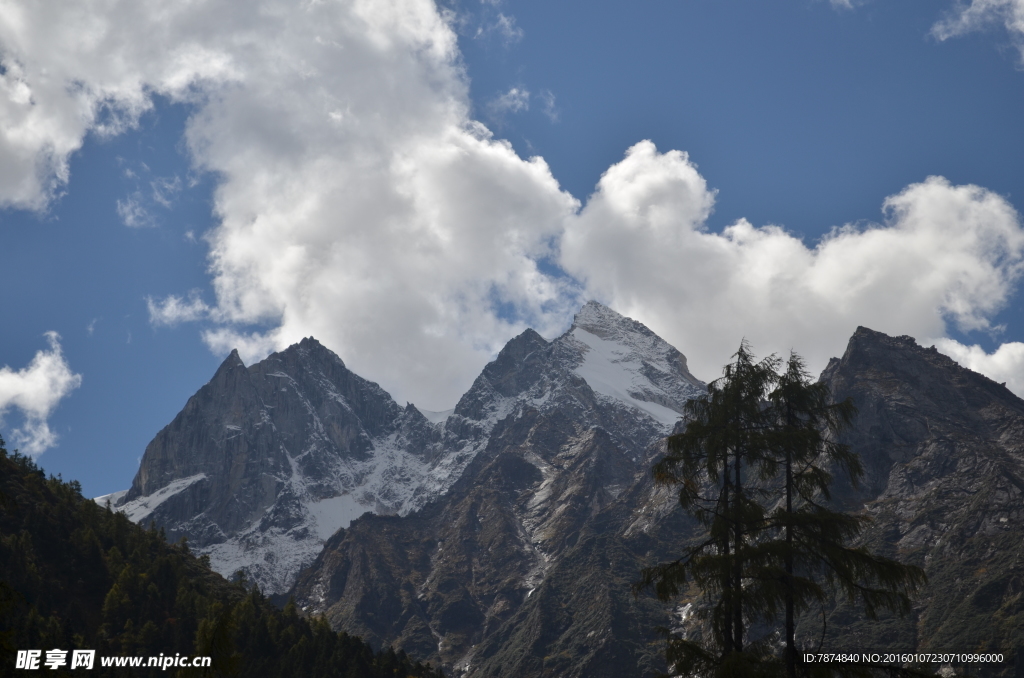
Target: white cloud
x,y
547,100
981,14
945,253
165,189
359,203
174,309
516,100
504,26
357,200
35,391
132,212
92,66
1005,364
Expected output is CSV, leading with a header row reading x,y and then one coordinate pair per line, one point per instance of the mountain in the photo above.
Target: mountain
x,y
523,568
943,450
266,462
502,536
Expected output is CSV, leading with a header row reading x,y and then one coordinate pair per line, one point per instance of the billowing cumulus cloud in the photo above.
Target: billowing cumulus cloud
x,y
358,202
69,69
945,253
35,391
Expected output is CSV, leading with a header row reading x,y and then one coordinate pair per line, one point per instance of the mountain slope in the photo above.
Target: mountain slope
x,y
523,568
266,462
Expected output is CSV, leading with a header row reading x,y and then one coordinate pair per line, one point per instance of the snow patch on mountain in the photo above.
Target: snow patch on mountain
x,y
615,372
114,498
335,513
623,361
139,509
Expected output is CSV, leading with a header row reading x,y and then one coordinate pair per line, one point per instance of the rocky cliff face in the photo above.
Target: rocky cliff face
x,y
267,461
943,449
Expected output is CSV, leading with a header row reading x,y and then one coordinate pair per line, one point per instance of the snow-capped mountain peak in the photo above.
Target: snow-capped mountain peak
x,y
621,359
265,462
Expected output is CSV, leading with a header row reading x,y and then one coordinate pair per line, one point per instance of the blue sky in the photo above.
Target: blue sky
x,y
414,184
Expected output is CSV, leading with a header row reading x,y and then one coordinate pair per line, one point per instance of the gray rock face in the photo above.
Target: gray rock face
x,y
523,567
943,450
520,570
265,462
503,536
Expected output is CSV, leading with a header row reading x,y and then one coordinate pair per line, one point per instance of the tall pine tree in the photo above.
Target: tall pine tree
x,y
713,462
754,466
810,547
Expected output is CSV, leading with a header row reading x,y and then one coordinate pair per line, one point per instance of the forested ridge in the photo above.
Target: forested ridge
x,y
75,575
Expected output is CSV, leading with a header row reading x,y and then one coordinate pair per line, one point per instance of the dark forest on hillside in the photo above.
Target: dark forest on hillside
x,y
75,575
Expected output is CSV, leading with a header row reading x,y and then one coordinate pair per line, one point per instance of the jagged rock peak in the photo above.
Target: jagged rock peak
x,y
903,355
233,360
609,326
598,319
311,347
515,351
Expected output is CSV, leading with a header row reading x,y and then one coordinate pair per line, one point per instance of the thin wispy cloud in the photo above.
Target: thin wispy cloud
x,y
983,14
132,212
174,310
547,102
515,100
505,26
165,190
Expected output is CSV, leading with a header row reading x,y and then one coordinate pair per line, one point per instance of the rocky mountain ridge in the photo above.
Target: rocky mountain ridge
x,y
509,530
523,568
943,450
266,462
469,579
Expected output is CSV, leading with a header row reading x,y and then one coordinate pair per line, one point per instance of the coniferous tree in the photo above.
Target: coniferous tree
x,y
74,575
723,448
811,544
754,466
